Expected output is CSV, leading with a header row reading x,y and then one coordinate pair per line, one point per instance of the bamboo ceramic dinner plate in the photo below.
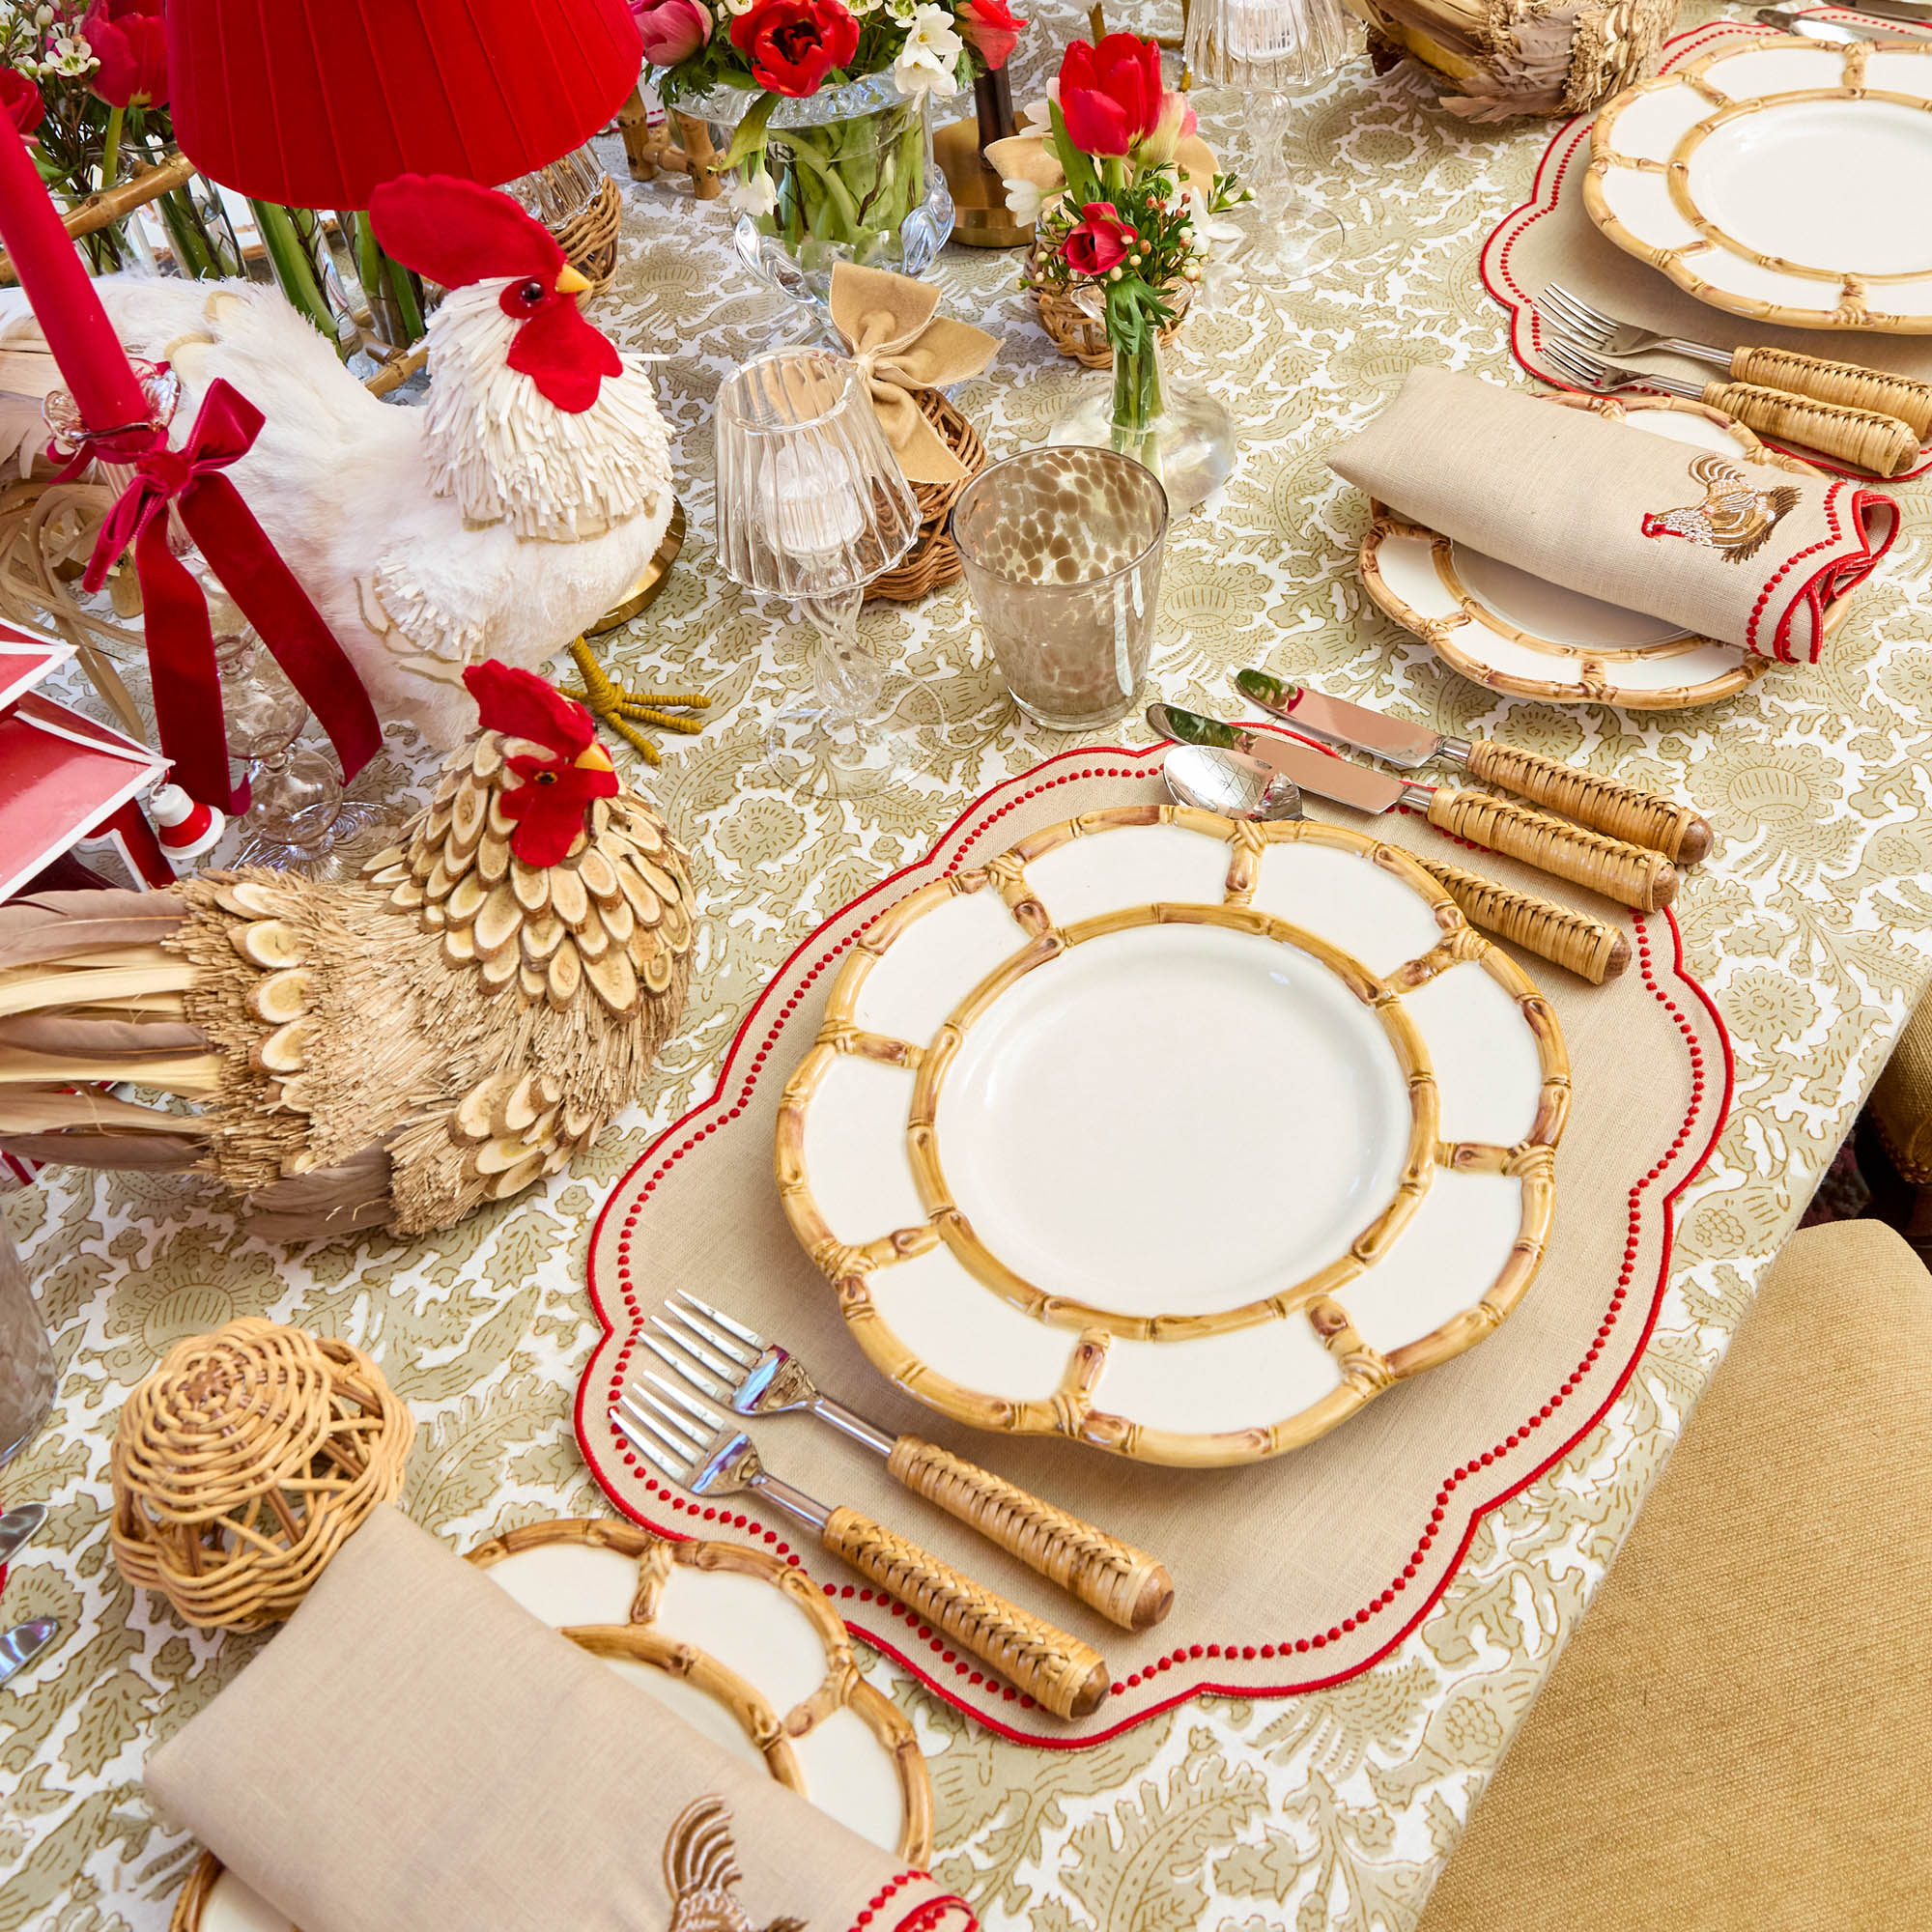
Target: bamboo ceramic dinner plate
x,y
1517,633
1778,179
1180,1137
740,1645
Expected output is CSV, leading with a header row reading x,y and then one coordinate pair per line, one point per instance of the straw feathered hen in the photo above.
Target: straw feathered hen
x,y
446,1030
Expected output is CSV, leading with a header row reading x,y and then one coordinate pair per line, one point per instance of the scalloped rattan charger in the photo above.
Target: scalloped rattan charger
x,y
1074,331
242,1463
933,561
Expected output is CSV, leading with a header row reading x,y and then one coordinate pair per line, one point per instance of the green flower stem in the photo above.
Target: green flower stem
x,y
849,184
183,237
110,148
294,269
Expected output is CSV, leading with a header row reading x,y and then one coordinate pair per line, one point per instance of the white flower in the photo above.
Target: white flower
x,y
71,54
929,62
1036,117
1023,198
754,194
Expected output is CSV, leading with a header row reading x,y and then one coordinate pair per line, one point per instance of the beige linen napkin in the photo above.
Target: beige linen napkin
x,y
415,1752
1749,552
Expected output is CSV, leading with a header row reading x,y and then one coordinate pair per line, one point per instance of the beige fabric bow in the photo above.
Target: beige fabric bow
x,y
890,326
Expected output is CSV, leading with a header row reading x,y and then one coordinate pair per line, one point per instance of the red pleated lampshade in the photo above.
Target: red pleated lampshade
x,y
312,102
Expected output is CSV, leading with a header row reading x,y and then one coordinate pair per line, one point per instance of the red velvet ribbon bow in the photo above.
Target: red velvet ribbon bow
x,y
180,644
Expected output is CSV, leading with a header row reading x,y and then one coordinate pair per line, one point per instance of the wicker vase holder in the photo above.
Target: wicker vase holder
x,y
242,1463
933,561
1074,331
589,238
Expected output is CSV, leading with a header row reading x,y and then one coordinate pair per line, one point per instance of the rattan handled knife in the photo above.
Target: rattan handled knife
x,y
1633,875
1623,812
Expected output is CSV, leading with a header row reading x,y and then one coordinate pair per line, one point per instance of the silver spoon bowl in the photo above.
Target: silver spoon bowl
x,y
1228,783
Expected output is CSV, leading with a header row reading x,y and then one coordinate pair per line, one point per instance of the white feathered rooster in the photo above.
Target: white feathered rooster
x,y
524,501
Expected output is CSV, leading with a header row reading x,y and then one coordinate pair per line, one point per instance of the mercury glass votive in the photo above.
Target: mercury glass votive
x,y
1062,551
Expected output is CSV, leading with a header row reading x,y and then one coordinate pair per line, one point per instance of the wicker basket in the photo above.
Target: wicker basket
x,y
1074,331
589,238
933,561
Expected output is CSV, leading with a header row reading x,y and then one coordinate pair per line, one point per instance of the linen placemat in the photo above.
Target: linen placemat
x,y
414,1749
1749,552
1550,238
1289,1574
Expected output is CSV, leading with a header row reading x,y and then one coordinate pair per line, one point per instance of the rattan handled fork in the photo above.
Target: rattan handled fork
x,y
1849,383
722,1358
697,1448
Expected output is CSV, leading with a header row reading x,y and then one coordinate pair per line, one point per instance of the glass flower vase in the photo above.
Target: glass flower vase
x,y
1178,432
848,176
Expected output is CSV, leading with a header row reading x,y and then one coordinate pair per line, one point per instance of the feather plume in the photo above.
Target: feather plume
x,y
49,925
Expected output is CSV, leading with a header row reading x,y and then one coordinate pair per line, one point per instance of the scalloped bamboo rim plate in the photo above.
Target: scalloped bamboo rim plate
x,y
1457,632
770,1731
1069,1410
1852,307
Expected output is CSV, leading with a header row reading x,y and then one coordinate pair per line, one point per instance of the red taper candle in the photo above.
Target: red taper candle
x,y
92,361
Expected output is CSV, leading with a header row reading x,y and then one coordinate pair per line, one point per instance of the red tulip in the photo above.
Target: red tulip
x,y
132,49
21,100
1110,96
1100,242
993,28
793,44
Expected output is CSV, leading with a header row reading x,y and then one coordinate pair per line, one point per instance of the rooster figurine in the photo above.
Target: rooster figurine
x,y
525,500
447,1030
1735,518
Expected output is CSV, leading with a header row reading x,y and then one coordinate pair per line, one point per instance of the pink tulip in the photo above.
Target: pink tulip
x,y
672,30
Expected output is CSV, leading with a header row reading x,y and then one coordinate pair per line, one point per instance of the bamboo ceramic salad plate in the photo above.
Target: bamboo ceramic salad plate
x,y
1180,1137
1514,632
1781,180
740,1645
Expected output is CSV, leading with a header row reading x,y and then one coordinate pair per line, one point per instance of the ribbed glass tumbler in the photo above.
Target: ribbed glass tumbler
x,y
1063,548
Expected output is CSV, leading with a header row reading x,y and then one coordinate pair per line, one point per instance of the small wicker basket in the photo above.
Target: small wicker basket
x,y
1074,331
933,561
244,1461
589,237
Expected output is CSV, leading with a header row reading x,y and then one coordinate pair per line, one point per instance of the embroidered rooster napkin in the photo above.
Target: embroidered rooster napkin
x,y
415,1752
1748,552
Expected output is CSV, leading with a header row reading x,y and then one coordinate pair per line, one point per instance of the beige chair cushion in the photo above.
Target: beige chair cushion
x,y
1901,1103
1740,1737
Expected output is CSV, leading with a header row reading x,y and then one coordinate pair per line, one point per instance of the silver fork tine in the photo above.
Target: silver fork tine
x,y
709,1418
723,1320
1576,364
1577,306
660,1449
717,1337
710,1384
668,1422
1572,318
691,1341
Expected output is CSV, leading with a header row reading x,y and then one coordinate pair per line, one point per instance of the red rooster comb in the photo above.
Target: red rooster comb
x,y
457,233
520,704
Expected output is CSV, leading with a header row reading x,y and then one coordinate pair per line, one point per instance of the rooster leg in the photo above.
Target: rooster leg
x,y
614,708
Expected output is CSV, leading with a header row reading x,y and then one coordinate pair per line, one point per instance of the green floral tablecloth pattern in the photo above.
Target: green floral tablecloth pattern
x,y
1812,926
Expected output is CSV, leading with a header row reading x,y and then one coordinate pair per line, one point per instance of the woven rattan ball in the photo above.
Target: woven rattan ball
x,y
933,561
242,1463
589,237
1076,332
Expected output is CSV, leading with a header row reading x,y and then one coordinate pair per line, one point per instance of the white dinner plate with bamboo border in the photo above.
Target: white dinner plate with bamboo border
x,y
1180,1137
738,1644
1778,179
1504,628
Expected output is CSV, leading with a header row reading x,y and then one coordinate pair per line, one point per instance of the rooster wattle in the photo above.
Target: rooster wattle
x,y
449,1029
523,500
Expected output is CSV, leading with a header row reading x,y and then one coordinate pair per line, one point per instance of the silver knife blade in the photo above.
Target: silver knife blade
x,y
1917,12
1342,722
20,1645
1832,33
17,1525
1319,772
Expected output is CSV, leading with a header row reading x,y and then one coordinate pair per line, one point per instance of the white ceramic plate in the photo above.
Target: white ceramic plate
x,y
1778,179
1520,633
764,1672
1180,1137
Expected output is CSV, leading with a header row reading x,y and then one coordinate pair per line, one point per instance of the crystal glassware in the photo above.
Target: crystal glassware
x,y
1062,549
1269,49
812,505
26,1356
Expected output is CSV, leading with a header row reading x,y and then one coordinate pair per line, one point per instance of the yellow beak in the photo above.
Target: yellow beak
x,y
569,282
594,758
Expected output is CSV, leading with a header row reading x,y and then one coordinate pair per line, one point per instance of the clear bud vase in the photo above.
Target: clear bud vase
x,y
1178,432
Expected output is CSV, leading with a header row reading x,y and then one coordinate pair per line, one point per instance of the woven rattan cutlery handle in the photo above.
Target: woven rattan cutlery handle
x,y
1902,396
1124,1584
1064,1675
1877,443
1604,805
1586,946
1631,874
